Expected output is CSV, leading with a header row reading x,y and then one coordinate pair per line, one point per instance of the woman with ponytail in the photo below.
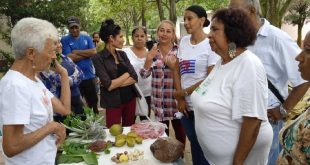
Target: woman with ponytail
x,y
196,59
117,77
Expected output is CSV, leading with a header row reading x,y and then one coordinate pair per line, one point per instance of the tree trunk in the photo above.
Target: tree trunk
x,y
172,11
160,10
300,26
135,17
127,36
274,10
143,16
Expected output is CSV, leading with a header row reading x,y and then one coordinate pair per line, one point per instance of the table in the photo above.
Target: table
x,y
149,159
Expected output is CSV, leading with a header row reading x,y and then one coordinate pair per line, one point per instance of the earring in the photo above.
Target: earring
x,y
232,49
33,65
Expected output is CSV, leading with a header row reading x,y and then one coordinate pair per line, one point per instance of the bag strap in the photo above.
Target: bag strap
x,y
275,92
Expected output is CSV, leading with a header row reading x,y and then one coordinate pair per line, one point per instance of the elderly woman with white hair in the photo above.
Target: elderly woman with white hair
x,y
30,136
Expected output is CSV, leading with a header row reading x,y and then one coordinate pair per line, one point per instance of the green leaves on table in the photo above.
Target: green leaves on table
x,y
92,128
75,153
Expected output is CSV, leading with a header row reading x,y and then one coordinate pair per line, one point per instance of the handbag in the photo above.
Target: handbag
x,y
275,91
141,104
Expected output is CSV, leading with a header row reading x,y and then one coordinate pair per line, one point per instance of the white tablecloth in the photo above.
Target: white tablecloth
x,y
149,159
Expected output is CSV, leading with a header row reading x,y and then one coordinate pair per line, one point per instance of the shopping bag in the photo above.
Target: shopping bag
x,y
141,104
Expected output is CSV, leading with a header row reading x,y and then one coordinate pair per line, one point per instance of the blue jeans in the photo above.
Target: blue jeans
x,y
189,127
275,147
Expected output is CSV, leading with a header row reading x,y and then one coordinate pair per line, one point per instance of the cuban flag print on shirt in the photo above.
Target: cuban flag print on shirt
x,y
187,66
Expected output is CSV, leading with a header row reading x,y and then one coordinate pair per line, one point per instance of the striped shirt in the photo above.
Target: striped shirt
x,y
162,102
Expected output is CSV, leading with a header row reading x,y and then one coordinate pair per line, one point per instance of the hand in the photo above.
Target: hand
x,y
152,53
126,75
274,114
73,57
171,61
59,131
182,106
59,69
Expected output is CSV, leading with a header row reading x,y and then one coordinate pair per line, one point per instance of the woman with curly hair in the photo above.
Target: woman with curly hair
x,y
230,104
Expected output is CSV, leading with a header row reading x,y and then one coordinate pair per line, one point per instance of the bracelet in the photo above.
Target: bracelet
x,y
283,111
186,94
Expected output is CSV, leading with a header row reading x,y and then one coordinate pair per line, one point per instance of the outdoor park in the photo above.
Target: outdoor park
x,y
130,14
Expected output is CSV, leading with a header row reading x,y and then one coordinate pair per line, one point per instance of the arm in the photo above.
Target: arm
x,y
85,53
62,105
190,90
128,81
75,57
118,81
15,141
149,57
296,94
247,137
89,52
181,103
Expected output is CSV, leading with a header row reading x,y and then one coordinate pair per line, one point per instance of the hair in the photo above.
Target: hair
x,y
238,27
173,29
95,34
109,28
29,33
137,28
200,12
307,41
255,4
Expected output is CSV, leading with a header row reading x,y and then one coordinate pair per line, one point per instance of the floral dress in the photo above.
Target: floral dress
x,y
295,140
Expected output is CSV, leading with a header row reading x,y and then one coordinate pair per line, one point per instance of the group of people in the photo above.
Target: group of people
x,y
225,90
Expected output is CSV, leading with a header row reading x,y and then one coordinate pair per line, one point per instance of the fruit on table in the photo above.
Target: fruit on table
x,y
123,158
131,139
132,134
138,140
120,142
116,129
121,136
130,142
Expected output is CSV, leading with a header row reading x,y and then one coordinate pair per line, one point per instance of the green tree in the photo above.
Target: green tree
x,y
55,11
275,10
298,14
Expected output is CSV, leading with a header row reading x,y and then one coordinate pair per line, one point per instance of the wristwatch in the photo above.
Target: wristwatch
x,y
283,111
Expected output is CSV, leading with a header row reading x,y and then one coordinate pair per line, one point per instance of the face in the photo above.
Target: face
x,y
59,47
42,60
96,38
192,22
217,37
304,64
139,38
165,33
117,41
74,31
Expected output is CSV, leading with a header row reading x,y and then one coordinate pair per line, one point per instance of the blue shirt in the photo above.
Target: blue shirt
x,y
52,81
84,42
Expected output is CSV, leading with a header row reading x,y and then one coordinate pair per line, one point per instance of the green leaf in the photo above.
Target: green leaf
x,y
69,159
107,151
90,158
